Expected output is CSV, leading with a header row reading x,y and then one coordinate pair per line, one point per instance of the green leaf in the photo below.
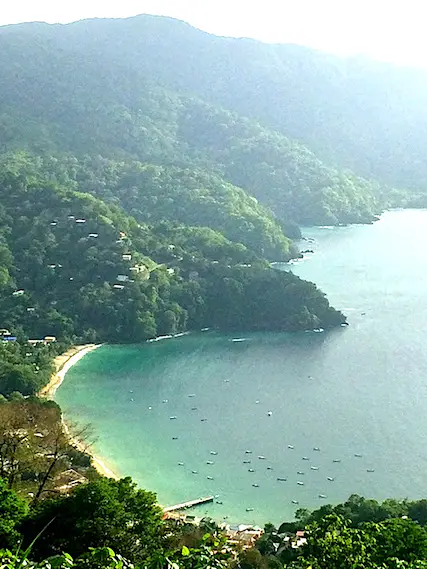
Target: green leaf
x,y
185,551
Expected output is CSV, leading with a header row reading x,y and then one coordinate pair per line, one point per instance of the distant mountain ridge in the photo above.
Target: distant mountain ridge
x,y
111,87
355,113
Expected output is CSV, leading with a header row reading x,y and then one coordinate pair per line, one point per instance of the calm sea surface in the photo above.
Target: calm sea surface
x,y
360,390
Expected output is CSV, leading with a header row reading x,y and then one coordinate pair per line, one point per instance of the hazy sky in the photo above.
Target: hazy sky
x,y
392,30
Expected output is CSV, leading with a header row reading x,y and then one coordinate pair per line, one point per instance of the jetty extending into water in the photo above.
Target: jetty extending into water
x,y
190,504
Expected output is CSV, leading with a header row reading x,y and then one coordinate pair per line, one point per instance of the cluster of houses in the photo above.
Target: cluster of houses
x,y
69,479
6,336
140,270
243,536
46,340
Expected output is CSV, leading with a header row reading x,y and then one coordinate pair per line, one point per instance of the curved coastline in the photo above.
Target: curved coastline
x,y
63,363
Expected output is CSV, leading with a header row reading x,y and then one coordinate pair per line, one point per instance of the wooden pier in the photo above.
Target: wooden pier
x,y
190,504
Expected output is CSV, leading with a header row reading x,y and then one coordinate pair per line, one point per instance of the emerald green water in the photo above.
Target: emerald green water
x,y
356,390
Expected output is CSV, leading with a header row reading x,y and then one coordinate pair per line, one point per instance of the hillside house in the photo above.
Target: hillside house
x,y
243,535
69,479
18,292
122,278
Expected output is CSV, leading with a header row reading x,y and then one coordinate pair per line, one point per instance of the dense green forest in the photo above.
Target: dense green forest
x,y
153,194
81,270
101,101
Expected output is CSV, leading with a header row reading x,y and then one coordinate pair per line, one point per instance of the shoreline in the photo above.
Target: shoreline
x,y
63,363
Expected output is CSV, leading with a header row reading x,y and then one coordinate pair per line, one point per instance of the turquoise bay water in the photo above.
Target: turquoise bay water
x,y
356,390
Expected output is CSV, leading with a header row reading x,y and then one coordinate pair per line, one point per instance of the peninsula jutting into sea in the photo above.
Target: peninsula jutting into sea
x,y
212,296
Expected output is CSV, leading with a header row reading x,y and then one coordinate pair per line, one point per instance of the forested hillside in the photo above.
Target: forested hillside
x,y
367,116
73,267
108,88
364,115
153,193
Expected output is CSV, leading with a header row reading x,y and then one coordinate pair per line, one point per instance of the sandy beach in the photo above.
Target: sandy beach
x,y
62,364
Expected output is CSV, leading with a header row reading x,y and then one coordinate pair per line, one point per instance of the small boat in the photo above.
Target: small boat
x,y
180,464
239,339
257,401
209,477
194,408
370,470
291,446
226,381
251,470
300,473
261,457
219,502
295,502
216,496
173,417
255,485
174,438
322,495
269,468
246,462
269,413
248,452
209,462
192,395
357,455
194,472
165,401
314,467
150,408
300,483
281,479
336,460
330,478
203,420
316,449
249,509
305,458
214,452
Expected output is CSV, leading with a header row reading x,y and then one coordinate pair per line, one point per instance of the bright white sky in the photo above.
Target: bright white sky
x,y
391,30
